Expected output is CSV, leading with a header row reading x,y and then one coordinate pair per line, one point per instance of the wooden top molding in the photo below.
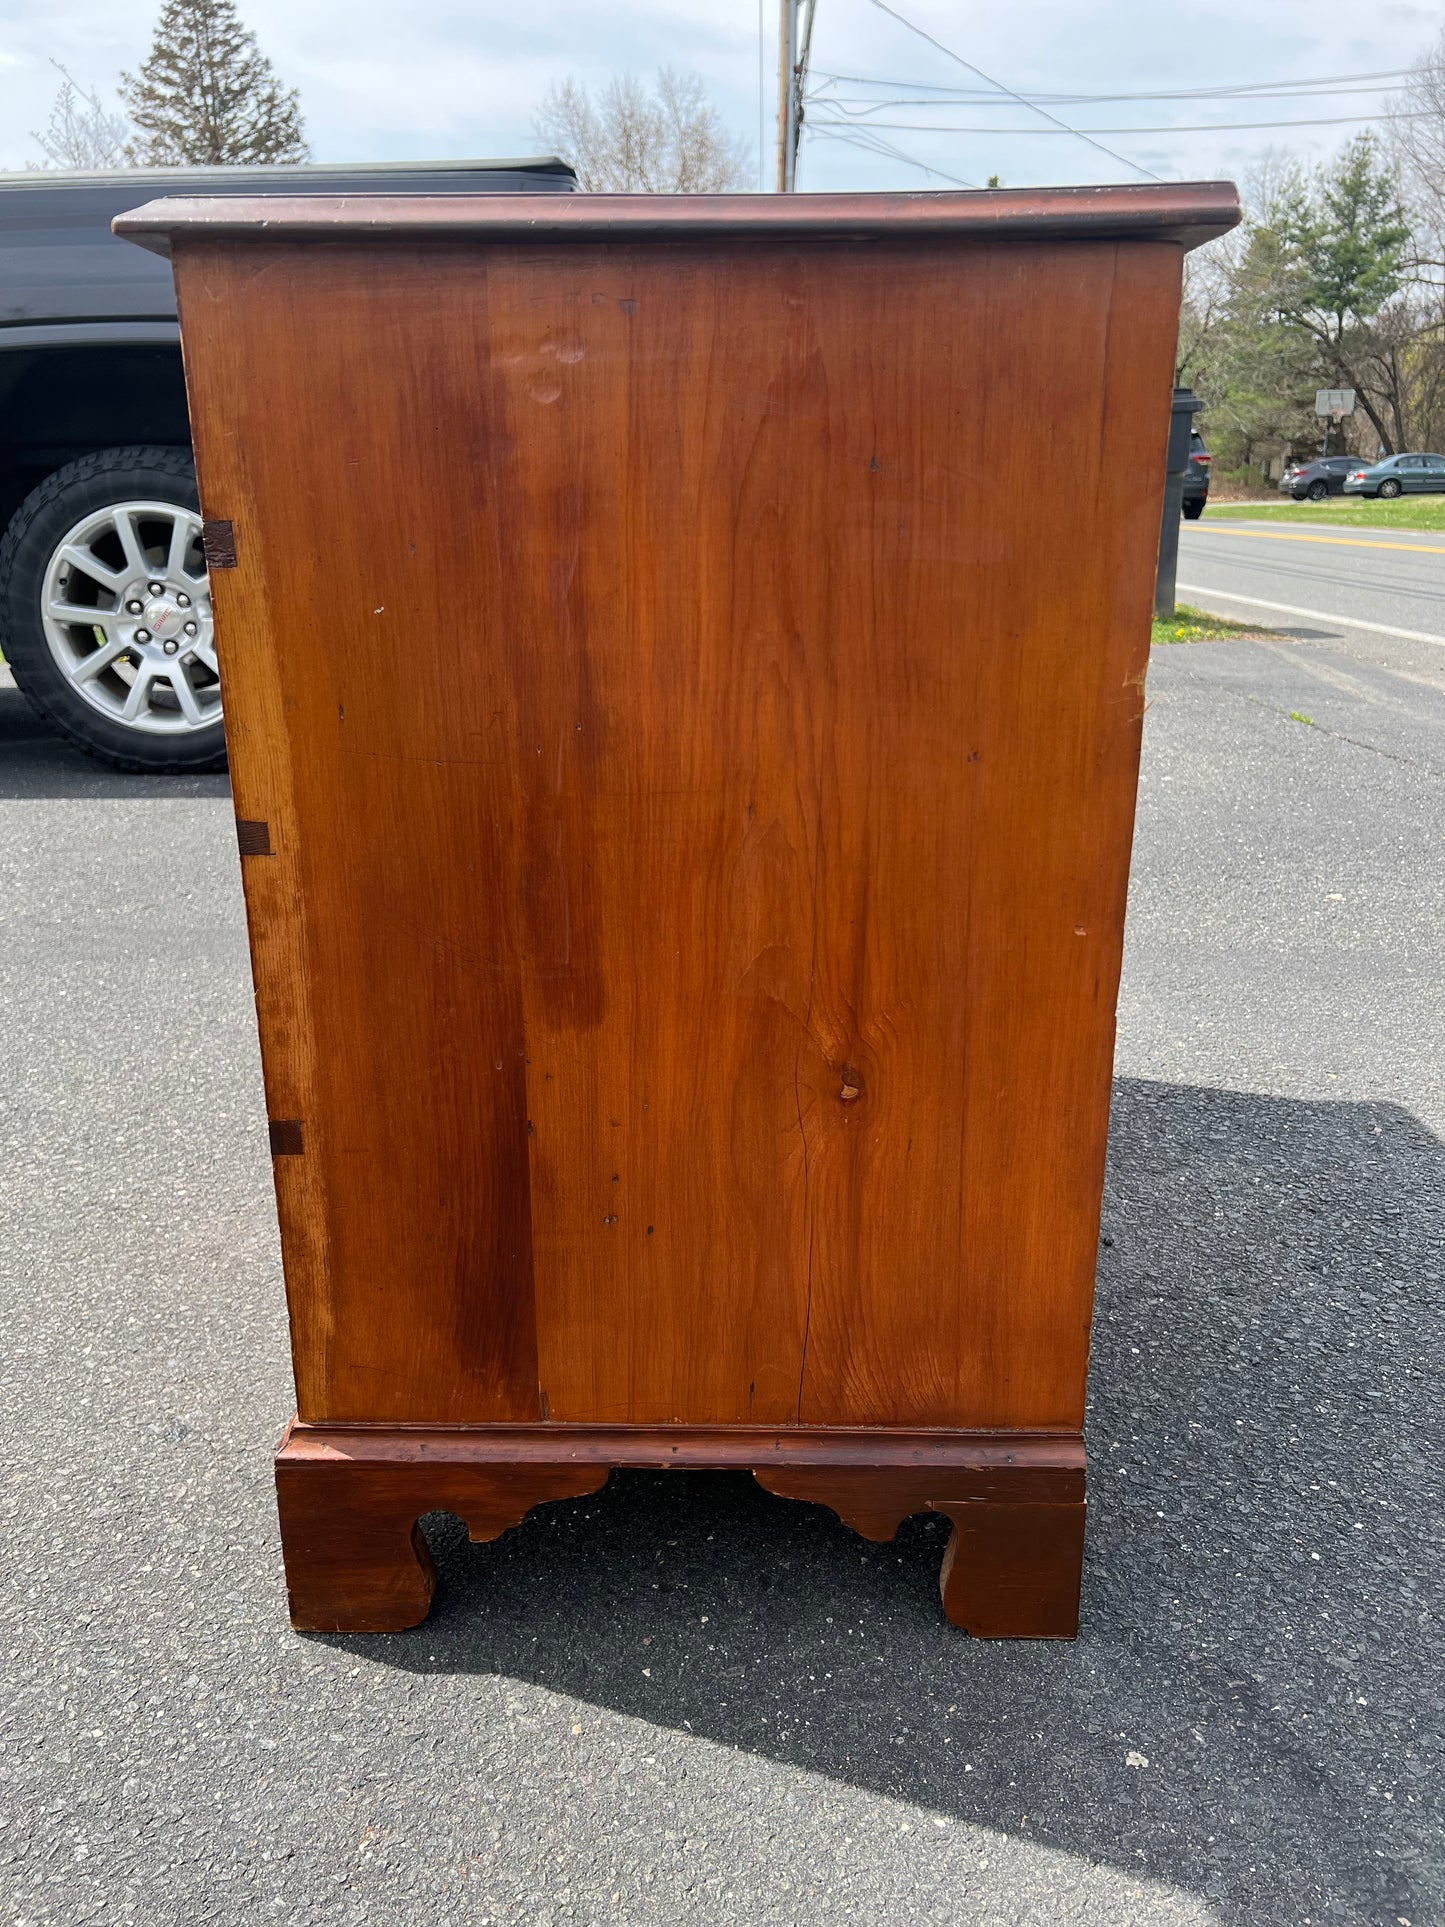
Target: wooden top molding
x,y
735,1447
1187,213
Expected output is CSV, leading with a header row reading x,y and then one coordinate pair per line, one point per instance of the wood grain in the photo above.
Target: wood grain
x,y
1185,213
350,1499
356,1560
694,689
996,1465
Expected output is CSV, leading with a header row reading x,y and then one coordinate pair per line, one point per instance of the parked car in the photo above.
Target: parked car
x,y
1196,479
105,618
1313,481
1398,475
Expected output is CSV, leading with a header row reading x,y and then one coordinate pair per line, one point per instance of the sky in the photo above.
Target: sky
x,y
447,79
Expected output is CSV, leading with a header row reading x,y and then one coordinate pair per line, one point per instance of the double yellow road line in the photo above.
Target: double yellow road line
x,y
1336,541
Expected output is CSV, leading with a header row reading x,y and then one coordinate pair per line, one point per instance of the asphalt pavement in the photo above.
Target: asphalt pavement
x,y
683,1701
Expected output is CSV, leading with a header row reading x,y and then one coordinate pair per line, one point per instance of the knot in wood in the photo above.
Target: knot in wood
x,y
850,1085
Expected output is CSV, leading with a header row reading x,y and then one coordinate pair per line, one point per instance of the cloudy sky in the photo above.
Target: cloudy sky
x,y
449,78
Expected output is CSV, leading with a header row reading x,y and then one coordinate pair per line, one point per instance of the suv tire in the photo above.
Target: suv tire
x,y
136,697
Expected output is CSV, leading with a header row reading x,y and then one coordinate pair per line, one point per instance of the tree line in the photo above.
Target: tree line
x,y
207,96
204,96
1335,279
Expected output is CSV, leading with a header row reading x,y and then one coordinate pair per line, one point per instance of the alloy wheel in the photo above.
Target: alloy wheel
x,y
126,609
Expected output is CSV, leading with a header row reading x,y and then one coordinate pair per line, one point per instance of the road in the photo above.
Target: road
x,y
682,1701
1275,572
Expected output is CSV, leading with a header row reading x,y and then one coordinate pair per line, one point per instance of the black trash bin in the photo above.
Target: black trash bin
x,y
1181,426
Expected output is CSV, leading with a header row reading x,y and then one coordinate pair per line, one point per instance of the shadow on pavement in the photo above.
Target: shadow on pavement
x,y
1263,1592
36,763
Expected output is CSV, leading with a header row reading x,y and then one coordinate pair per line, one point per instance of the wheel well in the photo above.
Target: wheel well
x,y
57,403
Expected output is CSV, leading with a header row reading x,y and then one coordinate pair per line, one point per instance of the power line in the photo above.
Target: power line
x,y
875,145
1190,127
1323,83
862,104
1122,159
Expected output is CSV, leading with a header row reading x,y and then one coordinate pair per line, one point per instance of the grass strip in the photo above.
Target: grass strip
x,y
1421,513
1197,625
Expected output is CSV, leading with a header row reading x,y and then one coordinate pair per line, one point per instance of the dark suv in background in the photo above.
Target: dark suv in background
x,y
105,618
1196,479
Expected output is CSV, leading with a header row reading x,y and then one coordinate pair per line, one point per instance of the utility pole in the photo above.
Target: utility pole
x,y
792,78
787,60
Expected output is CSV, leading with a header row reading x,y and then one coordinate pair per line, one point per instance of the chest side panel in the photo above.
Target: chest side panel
x,y
694,689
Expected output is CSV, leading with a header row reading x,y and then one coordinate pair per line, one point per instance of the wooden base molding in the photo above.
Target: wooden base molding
x,y
350,1498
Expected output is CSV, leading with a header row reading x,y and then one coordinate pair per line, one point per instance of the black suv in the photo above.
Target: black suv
x,y
1313,481
1196,479
105,618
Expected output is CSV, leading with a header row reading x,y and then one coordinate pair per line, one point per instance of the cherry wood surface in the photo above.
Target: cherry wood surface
x,y
692,690
1004,1464
684,666
1186,213
350,1499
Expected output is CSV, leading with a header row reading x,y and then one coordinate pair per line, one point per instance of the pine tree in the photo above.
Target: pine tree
x,y
208,95
1344,245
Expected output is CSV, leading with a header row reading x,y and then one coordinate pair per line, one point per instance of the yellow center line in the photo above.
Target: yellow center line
x,y
1337,541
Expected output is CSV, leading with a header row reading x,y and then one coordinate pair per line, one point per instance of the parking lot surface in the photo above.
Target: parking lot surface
x,y
682,1700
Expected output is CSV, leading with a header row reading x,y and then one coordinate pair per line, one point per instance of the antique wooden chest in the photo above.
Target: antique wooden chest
x,y
683,667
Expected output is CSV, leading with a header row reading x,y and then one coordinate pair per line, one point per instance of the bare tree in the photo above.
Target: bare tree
x,y
1209,275
81,131
1417,138
206,94
629,141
